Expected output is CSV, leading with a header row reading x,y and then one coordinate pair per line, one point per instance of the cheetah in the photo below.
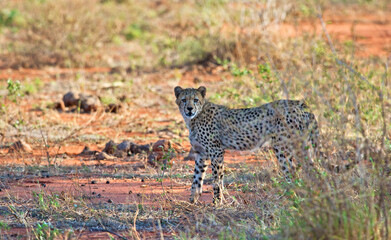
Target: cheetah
x,y
288,125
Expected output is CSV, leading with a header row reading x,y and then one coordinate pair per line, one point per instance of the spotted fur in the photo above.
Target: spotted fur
x,y
287,124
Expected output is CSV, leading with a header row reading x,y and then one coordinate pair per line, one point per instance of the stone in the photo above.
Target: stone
x,y
136,149
162,145
59,106
87,151
120,154
128,146
89,103
113,108
154,158
124,146
160,158
162,153
110,147
104,156
70,99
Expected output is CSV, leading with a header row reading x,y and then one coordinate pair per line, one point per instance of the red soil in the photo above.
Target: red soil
x,y
371,33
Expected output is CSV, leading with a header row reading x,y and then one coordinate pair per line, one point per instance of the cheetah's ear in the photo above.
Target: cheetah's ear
x,y
202,90
177,91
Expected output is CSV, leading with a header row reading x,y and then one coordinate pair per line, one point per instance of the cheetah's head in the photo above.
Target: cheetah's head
x,y
190,101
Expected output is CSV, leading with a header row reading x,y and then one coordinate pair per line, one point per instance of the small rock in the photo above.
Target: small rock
x,y
162,145
160,158
59,106
135,148
104,156
130,191
153,159
70,100
124,146
93,182
113,108
87,151
145,147
162,153
110,147
89,103
120,154
20,147
107,182
109,201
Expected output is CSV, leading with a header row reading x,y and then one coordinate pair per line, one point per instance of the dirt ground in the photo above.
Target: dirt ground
x,y
130,180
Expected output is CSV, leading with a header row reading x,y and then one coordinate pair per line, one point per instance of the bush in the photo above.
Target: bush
x,y
62,33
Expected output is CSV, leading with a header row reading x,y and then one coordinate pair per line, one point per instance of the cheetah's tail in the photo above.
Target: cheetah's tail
x,y
341,168
337,168
314,133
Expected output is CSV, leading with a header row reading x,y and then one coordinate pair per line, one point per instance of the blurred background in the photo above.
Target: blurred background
x,y
79,73
130,55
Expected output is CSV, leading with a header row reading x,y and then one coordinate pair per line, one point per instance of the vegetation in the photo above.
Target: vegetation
x,y
234,48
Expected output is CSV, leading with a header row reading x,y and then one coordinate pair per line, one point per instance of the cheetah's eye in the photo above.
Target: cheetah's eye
x,y
196,100
184,100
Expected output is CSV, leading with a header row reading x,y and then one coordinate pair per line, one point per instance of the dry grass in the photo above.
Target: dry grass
x,y
350,97
152,33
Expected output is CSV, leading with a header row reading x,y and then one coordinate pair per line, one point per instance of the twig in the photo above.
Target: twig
x,y
134,223
383,112
45,142
160,230
114,233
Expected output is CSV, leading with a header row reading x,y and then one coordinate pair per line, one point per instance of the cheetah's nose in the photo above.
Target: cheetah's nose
x,y
189,108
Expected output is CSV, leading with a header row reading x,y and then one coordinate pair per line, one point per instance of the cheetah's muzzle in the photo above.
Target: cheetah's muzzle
x,y
189,114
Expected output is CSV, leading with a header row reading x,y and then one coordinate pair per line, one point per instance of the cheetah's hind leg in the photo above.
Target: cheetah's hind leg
x,y
285,160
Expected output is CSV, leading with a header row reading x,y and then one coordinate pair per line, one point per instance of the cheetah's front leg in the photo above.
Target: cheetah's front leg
x,y
218,174
198,178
